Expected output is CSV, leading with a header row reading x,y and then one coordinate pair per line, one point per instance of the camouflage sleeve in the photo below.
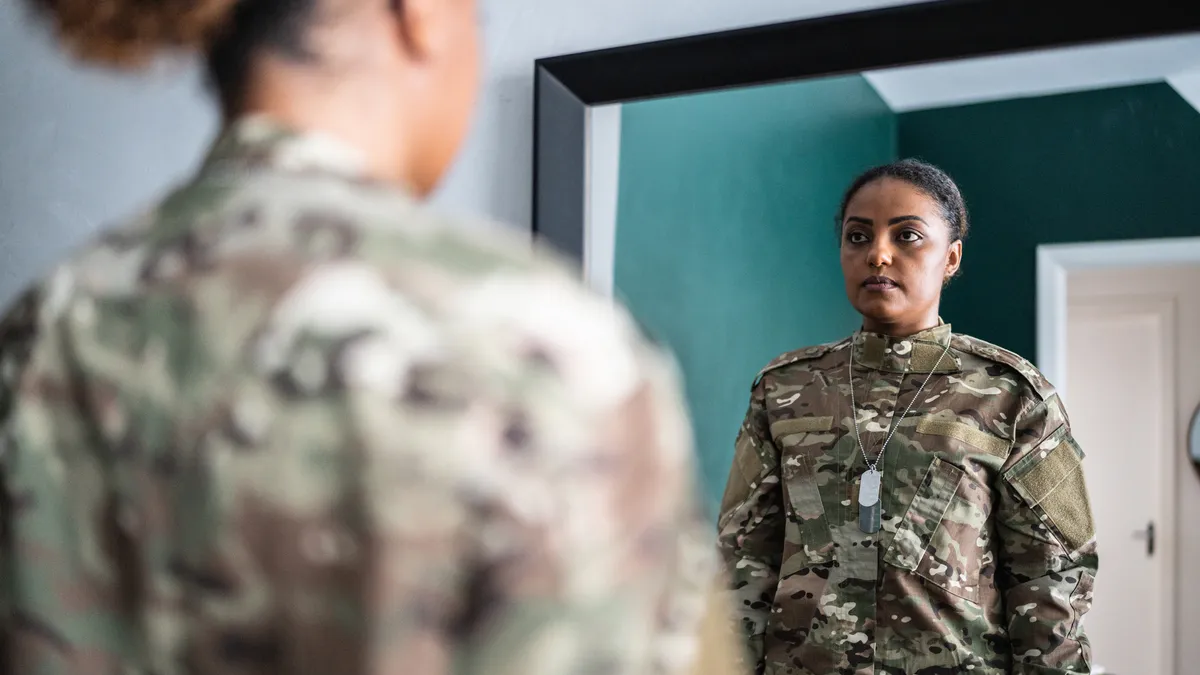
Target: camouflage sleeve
x,y
1047,556
751,526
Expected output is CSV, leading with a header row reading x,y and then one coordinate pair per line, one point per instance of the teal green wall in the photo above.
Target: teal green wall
x,y
1099,165
725,246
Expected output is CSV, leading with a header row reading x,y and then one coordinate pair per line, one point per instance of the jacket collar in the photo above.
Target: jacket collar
x,y
913,354
257,142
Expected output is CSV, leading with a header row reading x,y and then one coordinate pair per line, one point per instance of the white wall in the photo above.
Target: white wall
x,y
80,147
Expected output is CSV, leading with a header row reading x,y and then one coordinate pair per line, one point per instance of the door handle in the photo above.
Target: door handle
x,y
1148,535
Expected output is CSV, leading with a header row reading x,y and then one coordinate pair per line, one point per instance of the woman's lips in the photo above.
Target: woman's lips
x,y
880,284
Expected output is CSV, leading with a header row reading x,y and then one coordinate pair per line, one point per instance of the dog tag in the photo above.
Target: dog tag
x,y
868,491
869,511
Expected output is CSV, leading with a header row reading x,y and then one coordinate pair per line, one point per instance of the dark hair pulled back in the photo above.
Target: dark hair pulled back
x,y
929,179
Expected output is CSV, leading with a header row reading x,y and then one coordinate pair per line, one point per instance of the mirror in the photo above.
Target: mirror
x,y
712,213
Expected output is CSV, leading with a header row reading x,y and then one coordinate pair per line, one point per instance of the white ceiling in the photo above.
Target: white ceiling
x,y
1175,59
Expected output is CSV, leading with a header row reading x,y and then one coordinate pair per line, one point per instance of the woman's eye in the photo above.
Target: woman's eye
x,y
909,236
856,237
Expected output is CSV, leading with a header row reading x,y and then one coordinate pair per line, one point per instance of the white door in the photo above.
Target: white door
x,y
1133,376
1124,471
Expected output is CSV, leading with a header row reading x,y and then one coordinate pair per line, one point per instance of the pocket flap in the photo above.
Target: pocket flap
x,y
807,512
924,515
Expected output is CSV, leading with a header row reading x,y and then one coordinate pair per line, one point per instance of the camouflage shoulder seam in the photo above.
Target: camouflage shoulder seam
x,y
798,355
983,349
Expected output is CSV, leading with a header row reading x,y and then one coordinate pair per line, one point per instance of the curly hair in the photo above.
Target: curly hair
x,y
131,32
228,33
925,177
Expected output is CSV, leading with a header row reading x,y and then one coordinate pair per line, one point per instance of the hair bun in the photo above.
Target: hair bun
x,y
132,32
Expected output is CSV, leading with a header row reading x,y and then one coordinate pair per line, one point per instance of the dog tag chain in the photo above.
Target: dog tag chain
x,y
869,503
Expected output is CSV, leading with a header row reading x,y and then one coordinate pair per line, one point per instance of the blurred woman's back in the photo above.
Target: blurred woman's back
x,y
290,421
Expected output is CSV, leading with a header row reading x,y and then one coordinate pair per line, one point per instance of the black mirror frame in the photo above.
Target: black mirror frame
x,y
565,87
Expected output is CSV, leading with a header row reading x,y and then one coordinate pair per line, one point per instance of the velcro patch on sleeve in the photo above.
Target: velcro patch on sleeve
x,y
1046,474
992,445
1055,484
1070,508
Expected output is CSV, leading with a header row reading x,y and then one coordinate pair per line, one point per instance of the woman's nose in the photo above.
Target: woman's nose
x,y
880,254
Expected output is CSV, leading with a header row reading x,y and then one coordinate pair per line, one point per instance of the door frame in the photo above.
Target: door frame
x,y
1054,263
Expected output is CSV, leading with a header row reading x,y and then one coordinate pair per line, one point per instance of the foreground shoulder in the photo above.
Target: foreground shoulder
x,y
1024,369
800,355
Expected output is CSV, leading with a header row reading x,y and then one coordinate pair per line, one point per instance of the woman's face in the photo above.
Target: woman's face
x,y
896,256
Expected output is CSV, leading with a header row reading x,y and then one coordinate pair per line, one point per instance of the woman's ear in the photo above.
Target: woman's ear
x,y
954,259
425,27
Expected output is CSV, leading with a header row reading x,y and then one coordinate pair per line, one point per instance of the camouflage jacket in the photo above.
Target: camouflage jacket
x,y
986,558
291,422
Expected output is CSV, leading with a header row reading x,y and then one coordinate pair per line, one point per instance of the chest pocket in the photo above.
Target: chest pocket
x,y
807,527
943,536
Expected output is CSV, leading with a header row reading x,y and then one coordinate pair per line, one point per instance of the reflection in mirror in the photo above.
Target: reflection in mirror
x,y
717,218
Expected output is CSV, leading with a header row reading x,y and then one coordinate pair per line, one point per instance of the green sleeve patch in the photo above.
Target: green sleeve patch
x,y
1046,473
1070,508
1054,483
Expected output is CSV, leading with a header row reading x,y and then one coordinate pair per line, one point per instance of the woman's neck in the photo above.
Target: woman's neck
x,y
301,99
900,329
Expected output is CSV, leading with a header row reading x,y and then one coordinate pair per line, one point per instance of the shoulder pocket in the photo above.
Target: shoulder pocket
x,y
943,535
1050,480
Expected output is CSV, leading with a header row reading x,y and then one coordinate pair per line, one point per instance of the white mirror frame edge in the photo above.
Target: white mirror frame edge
x,y
603,166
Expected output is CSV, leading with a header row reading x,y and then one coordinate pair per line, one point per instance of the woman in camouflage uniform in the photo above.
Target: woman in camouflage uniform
x,y
290,420
908,499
